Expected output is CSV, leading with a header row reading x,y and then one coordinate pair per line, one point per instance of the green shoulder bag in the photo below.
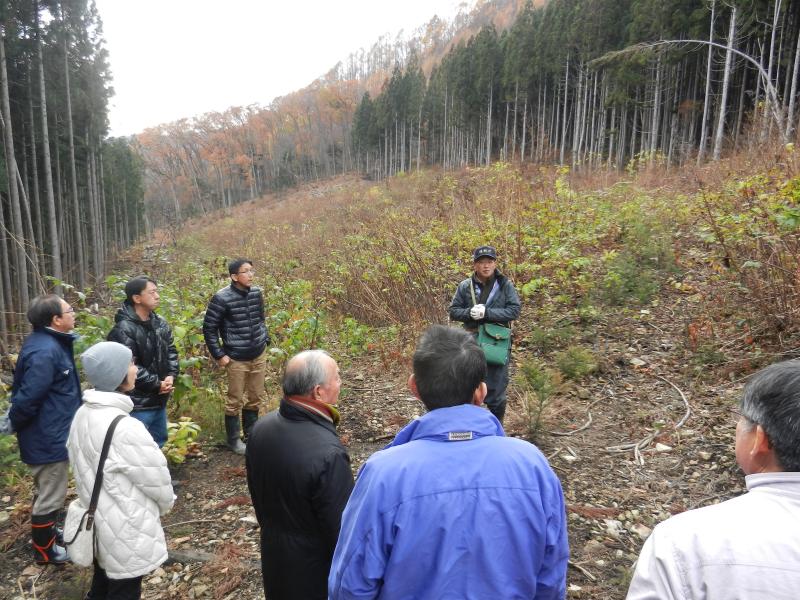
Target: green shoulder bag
x,y
494,339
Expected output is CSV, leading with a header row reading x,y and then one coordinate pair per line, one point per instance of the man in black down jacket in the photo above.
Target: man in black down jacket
x,y
148,336
236,314
497,301
299,477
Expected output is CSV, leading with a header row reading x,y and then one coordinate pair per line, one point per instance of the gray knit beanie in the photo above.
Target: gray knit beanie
x,y
106,365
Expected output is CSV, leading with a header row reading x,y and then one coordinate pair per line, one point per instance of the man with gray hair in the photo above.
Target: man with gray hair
x,y
299,477
747,548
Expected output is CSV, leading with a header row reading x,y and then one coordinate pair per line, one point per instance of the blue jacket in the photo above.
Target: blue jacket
x,y
481,517
45,396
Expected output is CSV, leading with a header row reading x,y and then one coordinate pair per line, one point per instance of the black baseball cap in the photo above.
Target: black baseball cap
x,y
482,251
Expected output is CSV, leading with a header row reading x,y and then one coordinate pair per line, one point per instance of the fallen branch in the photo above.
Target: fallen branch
x,y
586,573
198,556
582,427
637,447
165,526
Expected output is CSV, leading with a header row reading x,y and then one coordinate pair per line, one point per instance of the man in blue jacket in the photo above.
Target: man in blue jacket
x,y
45,395
452,508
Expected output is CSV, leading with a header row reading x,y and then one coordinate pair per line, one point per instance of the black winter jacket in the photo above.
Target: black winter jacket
x,y
153,352
502,308
237,316
299,477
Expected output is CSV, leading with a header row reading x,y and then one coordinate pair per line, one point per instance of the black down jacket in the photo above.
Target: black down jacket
x,y
299,477
237,316
153,352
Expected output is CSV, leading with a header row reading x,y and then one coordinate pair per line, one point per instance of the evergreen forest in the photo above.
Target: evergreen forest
x,y
71,197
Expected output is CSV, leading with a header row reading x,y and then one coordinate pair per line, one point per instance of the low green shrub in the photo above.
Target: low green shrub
x,y
538,384
576,362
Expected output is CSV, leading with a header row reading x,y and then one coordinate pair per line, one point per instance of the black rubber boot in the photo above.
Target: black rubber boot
x,y
249,418
233,433
45,549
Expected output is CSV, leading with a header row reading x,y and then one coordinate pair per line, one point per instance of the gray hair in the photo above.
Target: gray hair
x,y
772,399
304,372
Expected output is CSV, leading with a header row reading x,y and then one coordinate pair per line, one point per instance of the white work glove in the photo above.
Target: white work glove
x,y
477,312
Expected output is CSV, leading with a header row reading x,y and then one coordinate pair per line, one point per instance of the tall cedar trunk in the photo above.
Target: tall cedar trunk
x,y
765,125
564,116
793,94
5,281
76,211
36,200
656,111
514,127
701,151
726,79
489,127
20,261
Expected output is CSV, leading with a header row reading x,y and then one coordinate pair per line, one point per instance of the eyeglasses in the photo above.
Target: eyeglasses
x,y
69,310
247,272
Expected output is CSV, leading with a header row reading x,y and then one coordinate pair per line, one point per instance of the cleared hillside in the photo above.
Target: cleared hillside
x,y
647,300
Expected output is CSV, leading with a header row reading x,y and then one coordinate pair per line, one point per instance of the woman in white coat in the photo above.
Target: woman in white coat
x,y
136,488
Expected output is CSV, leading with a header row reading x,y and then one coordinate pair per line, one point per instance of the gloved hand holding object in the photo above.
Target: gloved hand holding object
x,y
477,312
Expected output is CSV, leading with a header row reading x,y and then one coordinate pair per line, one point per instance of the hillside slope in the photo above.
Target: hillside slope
x,y
646,302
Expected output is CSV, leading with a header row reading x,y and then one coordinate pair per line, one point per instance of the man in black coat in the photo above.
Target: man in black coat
x,y
236,315
149,338
488,296
300,479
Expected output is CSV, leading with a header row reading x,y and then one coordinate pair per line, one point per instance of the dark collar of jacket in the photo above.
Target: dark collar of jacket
x,y
295,413
65,339
499,277
241,292
128,313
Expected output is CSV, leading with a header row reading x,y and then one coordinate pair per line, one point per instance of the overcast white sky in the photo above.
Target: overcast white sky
x,y
180,58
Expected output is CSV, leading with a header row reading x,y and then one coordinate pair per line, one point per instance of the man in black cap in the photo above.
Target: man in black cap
x,y
488,297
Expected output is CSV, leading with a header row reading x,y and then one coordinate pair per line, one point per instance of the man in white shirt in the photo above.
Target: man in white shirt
x,y
747,548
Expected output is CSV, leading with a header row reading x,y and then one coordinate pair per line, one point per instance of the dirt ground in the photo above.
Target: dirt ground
x,y
645,390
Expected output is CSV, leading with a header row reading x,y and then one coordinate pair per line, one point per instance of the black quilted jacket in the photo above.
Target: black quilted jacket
x,y
236,316
153,352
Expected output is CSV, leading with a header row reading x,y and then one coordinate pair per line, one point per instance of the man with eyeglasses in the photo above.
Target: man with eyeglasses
x,y
45,395
149,338
747,548
237,338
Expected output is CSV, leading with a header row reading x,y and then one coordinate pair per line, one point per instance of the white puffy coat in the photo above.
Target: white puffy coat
x,y
136,485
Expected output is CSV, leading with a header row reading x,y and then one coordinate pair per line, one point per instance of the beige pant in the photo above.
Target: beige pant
x,y
49,487
246,377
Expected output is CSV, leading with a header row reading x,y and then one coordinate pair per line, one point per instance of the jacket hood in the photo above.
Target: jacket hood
x,y
97,399
455,423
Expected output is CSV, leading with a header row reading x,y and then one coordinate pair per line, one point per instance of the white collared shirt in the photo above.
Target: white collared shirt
x,y
747,548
